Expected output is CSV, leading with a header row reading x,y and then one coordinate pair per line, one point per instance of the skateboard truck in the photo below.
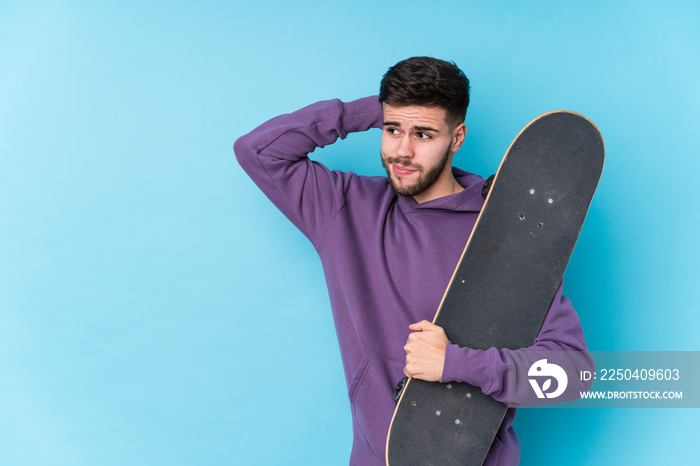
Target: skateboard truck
x,y
487,186
399,389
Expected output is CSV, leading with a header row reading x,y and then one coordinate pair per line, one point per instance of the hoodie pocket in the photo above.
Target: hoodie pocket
x,y
372,398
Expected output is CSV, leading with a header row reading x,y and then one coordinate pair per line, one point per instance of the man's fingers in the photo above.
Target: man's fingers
x,y
422,326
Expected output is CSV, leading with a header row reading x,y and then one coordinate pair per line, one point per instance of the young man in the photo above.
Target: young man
x,y
389,245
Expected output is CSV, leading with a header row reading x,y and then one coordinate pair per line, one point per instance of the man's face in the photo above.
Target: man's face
x,y
417,144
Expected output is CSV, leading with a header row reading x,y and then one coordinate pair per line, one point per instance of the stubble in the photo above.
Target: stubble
x,y
426,177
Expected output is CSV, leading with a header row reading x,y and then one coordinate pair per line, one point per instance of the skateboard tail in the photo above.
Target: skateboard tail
x,y
536,206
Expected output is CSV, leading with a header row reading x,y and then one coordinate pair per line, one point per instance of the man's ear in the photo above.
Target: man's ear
x,y
458,135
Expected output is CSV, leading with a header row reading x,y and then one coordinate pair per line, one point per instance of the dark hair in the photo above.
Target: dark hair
x,y
429,82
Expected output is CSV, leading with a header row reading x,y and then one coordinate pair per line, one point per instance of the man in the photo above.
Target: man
x,y
389,245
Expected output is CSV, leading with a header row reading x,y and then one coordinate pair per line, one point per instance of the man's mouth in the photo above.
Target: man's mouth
x,y
400,170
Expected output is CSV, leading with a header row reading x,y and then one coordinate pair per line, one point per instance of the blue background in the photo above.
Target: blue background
x,y
155,308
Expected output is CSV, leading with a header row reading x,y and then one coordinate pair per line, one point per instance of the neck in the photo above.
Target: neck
x,y
445,185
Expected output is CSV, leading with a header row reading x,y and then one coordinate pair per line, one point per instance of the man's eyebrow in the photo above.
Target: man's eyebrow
x,y
415,128
425,128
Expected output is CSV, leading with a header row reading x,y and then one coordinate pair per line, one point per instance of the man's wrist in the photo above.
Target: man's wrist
x,y
362,114
466,365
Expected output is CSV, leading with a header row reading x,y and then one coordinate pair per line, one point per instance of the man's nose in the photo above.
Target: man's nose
x,y
405,148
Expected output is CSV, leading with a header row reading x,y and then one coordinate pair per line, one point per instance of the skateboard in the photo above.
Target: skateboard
x,y
503,286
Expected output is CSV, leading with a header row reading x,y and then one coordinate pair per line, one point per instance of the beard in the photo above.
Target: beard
x,y
426,177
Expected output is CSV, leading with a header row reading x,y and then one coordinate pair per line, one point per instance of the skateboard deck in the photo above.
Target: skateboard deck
x,y
503,286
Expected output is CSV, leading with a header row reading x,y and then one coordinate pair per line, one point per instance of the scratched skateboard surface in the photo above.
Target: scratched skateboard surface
x,y
502,289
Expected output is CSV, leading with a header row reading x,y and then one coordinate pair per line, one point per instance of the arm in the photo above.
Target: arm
x,y
493,369
275,157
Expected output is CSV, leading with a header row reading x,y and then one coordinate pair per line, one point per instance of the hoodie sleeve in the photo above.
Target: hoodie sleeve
x,y
504,374
275,156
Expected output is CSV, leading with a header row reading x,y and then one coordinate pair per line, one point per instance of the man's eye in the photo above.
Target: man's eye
x,y
423,136
392,131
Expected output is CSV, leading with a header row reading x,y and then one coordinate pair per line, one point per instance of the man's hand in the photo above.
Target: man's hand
x,y
425,351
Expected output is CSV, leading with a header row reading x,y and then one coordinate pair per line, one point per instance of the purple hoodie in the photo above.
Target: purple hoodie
x,y
387,261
